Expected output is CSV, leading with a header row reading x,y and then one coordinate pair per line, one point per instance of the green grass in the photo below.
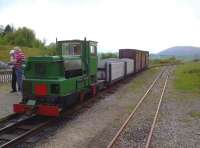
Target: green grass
x,y
195,114
165,61
140,79
187,77
5,49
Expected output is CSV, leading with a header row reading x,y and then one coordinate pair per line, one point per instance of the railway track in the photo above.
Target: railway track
x,y
163,75
14,128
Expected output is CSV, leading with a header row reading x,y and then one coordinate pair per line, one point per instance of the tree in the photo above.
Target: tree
x,y
109,55
24,37
1,30
21,37
52,49
8,29
52,45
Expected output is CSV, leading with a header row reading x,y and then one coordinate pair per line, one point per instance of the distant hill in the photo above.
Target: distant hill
x,y
181,52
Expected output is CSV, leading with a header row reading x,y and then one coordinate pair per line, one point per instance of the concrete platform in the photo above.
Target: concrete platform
x,y
7,99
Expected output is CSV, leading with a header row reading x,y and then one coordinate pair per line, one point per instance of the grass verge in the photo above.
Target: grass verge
x,y
142,77
195,114
187,77
5,49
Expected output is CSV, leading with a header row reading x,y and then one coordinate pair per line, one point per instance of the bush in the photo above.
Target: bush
x,y
109,55
196,60
20,37
3,41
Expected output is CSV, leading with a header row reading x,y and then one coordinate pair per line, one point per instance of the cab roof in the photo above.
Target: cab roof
x,y
77,40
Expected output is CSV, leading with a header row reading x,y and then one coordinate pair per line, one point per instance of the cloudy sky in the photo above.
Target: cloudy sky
x,y
143,24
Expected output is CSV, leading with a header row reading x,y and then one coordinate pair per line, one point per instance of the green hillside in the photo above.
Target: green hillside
x,y
5,49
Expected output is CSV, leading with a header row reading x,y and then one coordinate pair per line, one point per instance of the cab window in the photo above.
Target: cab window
x,y
64,48
71,49
93,50
76,49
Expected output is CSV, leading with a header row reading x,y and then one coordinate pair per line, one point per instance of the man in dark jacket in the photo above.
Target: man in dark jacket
x,y
14,78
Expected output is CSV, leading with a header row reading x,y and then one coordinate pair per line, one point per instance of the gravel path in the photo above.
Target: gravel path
x,y
96,126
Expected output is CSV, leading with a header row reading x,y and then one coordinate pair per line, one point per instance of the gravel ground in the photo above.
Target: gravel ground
x,y
179,120
96,126
137,130
7,100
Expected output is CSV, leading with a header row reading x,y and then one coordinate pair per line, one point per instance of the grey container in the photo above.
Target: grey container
x,y
128,66
114,69
111,70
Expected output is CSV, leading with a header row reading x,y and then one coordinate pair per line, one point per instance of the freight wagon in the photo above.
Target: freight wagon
x,y
140,57
53,83
112,70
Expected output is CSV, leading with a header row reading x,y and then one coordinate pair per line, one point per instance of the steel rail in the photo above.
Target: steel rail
x,y
7,117
15,120
156,115
133,112
11,125
22,136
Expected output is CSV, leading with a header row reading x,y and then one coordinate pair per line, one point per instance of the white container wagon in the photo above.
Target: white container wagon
x,y
129,66
112,70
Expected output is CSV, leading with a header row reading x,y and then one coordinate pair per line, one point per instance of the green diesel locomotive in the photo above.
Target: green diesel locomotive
x,y
54,82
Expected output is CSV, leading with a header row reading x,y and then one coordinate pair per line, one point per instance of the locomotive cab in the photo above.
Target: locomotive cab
x,y
80,57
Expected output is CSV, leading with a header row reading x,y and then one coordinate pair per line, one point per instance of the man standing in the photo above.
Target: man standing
x,y
12,57
19,59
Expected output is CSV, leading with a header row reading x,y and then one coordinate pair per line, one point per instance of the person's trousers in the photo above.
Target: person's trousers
x,y
19,78
14,80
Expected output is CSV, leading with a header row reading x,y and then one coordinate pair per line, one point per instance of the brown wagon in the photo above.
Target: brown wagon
x,y
141,58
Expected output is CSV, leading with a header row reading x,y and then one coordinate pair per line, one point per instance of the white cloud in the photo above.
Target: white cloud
x,y
149,25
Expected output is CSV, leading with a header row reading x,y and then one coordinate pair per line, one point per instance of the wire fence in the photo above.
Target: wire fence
x,y
5,76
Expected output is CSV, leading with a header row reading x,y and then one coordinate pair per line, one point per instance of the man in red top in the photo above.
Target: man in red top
x,y
19,59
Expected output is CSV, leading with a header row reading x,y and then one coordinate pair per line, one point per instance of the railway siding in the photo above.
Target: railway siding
x,y
177,127
136,132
